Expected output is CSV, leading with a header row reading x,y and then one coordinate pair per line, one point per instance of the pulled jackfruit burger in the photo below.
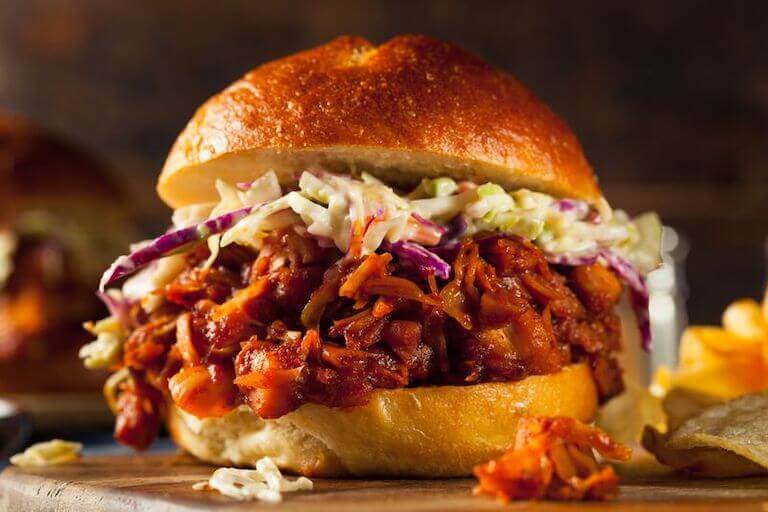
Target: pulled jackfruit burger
x,y
62,219
380,259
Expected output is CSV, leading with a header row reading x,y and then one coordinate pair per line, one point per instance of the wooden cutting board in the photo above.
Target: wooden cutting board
x,y
156,483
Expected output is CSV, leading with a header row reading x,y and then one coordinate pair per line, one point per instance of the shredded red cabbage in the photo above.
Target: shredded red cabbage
x,y
640,305
424,260
169,243
429,224
639,296
581,208
457,226
118,305
447,251
450,242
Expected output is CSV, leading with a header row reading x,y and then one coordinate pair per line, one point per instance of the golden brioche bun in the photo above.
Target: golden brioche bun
x,y
37,168
432,431
410,108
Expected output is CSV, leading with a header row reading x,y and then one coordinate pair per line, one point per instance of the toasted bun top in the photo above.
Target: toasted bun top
x,y
37,167
410,108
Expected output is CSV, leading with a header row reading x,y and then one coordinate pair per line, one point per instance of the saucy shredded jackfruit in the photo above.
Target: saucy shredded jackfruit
x,y
553,458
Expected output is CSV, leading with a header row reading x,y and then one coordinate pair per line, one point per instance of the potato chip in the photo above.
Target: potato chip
x,y
623,417
709,462
715,439
705,434
715,361
710,346
726,361
680,405
726,382
744,318
662,380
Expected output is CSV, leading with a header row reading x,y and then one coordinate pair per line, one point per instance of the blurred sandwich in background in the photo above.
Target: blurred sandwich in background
x,y
62,217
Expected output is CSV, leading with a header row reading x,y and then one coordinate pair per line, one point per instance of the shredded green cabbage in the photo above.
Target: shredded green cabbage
x,y
440,187
105,351
330,207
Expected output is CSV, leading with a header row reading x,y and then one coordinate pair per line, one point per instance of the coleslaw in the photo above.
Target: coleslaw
x,y
363,215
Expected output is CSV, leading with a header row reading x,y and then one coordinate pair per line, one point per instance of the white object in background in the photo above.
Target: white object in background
x,y
668,294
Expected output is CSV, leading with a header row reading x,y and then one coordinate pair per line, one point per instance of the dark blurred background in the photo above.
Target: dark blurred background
x,y
670,99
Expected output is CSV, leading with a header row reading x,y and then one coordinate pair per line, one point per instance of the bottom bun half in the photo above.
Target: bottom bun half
x,y
440,431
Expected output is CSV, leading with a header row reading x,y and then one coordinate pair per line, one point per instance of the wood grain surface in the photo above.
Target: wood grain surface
x,y
163,483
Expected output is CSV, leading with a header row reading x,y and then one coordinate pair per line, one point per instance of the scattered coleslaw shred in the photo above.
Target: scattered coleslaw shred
x,y
48,453
105,351
265,483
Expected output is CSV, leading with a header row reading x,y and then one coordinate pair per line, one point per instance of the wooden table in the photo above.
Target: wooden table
x,y
163,483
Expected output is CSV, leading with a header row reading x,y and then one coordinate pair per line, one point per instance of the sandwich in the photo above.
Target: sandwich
x,y
380,259
60,221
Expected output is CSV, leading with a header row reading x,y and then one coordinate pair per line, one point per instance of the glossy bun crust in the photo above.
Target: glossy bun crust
x,y
410,108
438,431
37,168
